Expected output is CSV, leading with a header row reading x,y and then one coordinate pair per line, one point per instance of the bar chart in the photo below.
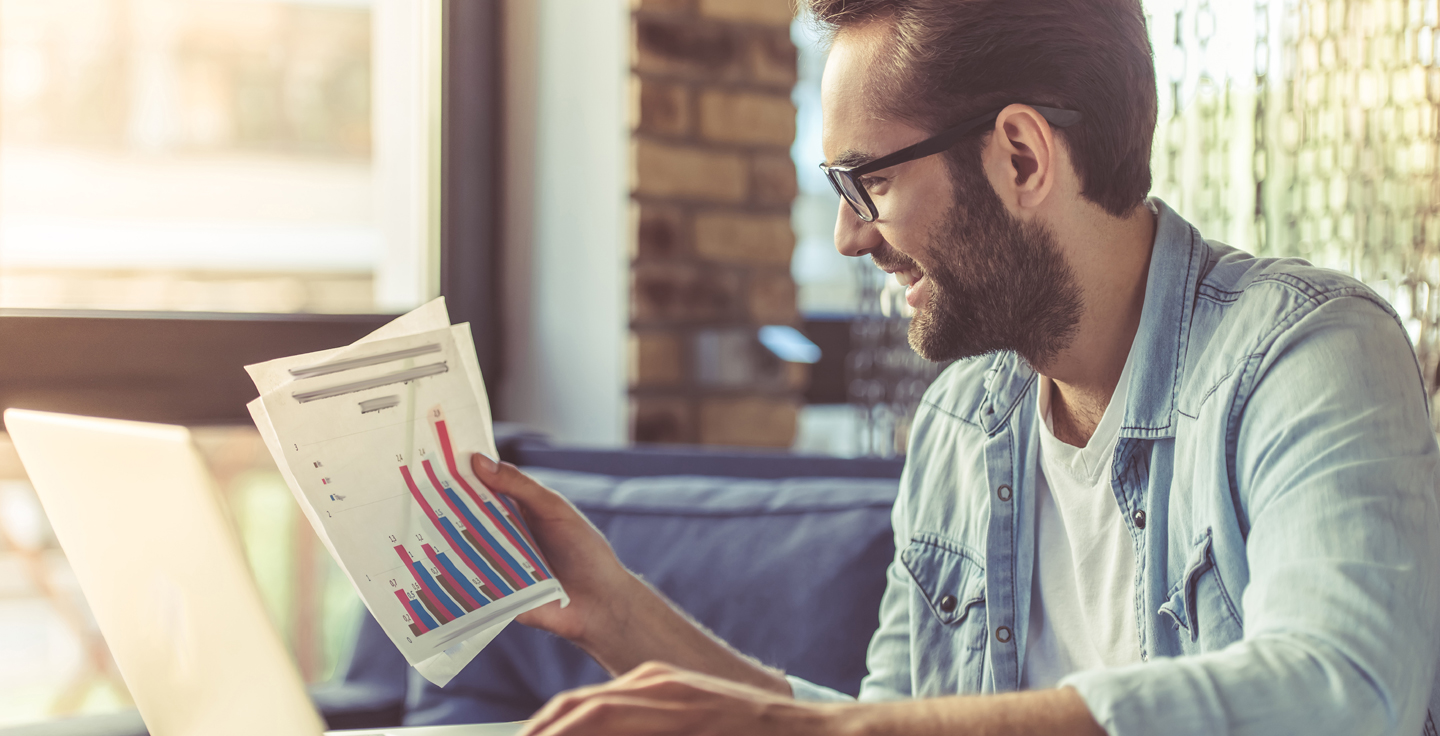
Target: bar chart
x,y
503,514
384,474
496,554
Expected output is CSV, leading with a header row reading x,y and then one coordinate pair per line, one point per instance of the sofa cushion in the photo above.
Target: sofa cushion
x,y
788,571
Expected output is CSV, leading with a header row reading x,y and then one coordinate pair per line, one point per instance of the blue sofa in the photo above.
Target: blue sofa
x,y
781,555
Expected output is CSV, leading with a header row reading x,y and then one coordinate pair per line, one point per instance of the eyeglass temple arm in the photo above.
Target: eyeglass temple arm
x,y
947,138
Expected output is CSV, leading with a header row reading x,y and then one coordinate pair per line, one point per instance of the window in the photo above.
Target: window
x,y
189,186
219,155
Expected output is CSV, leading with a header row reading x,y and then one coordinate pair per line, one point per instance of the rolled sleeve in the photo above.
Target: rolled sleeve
x,y
1336,467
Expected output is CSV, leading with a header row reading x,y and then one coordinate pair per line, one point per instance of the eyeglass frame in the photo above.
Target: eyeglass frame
x,y
838,176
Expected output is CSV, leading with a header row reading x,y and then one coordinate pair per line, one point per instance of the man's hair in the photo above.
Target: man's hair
x,y
946,60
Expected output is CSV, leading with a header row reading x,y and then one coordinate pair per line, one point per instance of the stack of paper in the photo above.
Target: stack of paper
x,y
375,440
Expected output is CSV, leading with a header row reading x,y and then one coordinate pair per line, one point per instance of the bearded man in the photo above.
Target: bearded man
x,y
1167,487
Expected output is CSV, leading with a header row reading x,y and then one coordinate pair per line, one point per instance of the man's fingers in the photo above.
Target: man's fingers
x,y
652,684
557,708
616,713
648,670
565,703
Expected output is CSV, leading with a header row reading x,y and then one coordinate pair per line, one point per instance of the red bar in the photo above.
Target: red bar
x,y
431,600
493,558
435,522
445,447
416,623
445,578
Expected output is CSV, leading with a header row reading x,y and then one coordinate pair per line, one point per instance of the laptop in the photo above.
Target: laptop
x,y
138,515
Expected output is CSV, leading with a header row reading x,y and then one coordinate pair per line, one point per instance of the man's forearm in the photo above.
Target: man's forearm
x,y
640,625
1060,711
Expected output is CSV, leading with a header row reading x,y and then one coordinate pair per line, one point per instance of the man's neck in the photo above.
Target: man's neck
x,y
1111,260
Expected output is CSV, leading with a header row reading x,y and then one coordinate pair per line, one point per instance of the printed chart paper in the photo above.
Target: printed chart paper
x,y
375,440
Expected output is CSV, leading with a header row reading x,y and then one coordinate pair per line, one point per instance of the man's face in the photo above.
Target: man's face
x,y
979,278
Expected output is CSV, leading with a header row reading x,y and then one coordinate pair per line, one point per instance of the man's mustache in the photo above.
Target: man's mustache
x,y
887,258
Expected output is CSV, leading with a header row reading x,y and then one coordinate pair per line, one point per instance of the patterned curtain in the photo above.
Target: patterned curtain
x,y
1324,148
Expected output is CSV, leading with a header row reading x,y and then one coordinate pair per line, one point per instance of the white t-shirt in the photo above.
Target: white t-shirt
x,y
1082,606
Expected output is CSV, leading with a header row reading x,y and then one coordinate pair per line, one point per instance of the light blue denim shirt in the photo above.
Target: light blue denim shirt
x,y
1277,473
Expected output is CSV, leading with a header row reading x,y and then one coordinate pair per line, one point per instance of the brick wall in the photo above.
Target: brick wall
x,y
711,186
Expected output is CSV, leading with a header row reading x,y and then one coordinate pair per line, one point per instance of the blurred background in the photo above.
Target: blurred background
x,y
620,196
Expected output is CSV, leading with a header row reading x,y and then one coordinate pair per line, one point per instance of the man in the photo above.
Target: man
x,y
1166,488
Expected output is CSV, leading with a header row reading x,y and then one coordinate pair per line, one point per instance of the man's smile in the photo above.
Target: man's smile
x,y
916,286
908,273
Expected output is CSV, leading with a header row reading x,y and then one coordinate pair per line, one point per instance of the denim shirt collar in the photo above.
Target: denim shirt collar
x,y
1176,261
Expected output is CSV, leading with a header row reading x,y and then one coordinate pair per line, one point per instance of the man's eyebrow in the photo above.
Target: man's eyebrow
x,y
852,158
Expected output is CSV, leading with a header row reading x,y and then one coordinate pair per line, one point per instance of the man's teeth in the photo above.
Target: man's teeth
x,y
909,278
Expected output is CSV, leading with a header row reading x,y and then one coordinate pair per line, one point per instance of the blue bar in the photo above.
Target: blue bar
x,y
461,580
440,594
421,615
520,538
479,528
464,548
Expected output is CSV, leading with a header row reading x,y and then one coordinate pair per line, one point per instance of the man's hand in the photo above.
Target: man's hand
x,y
658,699
613,615
600,587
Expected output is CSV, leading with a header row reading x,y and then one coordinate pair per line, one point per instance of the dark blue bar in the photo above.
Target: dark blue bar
x,y
479,528
520,538
418,611
461,580
440,594
479,561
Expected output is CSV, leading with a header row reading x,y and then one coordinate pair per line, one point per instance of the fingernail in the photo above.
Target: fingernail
x,y
486,463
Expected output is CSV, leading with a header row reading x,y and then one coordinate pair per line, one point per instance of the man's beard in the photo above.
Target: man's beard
x,y
996,283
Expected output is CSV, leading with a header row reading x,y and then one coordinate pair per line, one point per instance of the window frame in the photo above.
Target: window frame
x,y
188,367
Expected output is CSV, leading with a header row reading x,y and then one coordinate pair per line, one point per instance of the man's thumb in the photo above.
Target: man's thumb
x,y
507,479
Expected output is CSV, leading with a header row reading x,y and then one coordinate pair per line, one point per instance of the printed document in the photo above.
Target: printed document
x,y
374,440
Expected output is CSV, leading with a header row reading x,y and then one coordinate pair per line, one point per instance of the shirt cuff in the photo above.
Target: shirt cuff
x,y
809,692
1135,699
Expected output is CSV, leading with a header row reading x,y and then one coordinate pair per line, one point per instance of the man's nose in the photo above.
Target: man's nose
x,y
854,237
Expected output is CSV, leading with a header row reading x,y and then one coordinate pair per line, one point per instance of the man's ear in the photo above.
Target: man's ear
x,y
1023,155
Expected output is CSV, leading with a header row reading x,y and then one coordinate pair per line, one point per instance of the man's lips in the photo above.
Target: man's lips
x,y
907,273
915,283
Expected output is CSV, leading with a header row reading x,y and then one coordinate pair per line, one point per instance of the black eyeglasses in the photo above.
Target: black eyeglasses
x,y
846,179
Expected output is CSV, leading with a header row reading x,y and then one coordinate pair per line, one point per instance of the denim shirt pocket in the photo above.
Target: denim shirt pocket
x,y
948,633
951,581
1198,603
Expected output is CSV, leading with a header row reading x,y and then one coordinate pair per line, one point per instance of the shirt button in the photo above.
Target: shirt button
x,y
948,603
1002,634
1003,492
1140,519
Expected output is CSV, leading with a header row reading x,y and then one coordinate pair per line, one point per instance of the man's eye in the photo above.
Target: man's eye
x,y
870,182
